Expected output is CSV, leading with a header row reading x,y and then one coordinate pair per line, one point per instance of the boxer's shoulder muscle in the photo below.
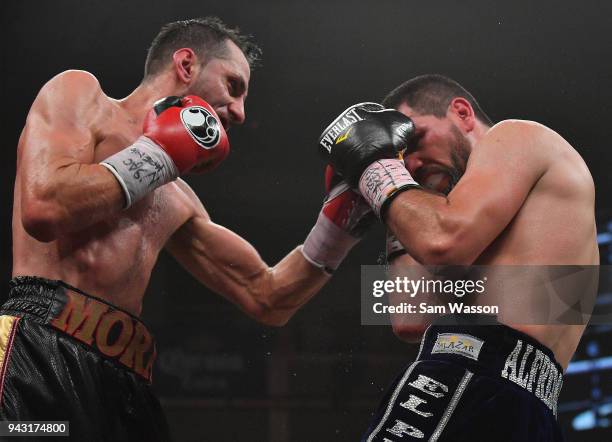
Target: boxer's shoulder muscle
x,y
535,139
75,88
74,82
531,145
523,138
73,98
554,152
63,126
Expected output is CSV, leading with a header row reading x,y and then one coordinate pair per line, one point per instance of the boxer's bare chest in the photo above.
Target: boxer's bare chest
x,y
555,226
113,258
139,232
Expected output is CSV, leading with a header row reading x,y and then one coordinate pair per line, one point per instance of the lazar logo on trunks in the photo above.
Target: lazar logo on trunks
x,y
113,333
535,372
201,125
464,345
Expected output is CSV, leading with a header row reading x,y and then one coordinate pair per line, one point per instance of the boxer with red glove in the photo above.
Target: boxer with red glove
x,y
343,220
180,135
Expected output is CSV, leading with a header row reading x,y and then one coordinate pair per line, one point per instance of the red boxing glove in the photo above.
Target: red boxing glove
x,y
341,224
189,131
344,207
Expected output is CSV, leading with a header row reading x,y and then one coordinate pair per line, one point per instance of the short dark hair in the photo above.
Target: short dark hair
x,y
431,94
204,35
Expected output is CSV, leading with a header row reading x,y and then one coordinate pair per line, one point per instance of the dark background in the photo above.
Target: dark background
x,y
221,376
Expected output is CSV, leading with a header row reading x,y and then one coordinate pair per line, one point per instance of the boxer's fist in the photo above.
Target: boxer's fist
x,y
362,134
189,131
341,223
344,207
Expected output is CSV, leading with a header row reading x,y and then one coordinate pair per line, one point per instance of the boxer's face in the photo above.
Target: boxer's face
x,y
223,82
440,155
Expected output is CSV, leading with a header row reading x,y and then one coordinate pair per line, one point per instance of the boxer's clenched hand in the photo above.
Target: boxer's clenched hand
x,y
362,134
190,131
345,207
363,144
180,135
342,222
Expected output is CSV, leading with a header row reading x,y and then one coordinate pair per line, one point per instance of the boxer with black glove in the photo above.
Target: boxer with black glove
x,y
515,193
350,142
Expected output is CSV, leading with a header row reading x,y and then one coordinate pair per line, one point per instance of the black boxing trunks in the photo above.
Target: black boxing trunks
x,y
473,383
67,356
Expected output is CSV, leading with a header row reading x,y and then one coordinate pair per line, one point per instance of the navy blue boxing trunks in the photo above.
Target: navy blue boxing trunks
x,y
67,356
473,383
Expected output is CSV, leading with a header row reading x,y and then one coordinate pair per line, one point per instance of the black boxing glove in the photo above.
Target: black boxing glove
x,y
364,145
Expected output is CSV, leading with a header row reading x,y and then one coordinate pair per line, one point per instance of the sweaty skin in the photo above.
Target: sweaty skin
x,y
526,198
68,221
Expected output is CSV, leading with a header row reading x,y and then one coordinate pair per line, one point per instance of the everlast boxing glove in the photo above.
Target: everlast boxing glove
x,y
180,135
364,145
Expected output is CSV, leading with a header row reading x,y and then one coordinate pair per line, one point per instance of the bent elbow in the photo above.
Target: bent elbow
x,y
276,322
411,334
268,313
439,251
274,318
40,221
451,245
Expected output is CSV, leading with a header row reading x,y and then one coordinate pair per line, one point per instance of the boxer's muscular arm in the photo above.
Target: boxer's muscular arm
x,y
456,229
61,191
229,265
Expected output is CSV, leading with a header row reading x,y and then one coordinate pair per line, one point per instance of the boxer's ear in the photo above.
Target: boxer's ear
x,y
185,61
462,113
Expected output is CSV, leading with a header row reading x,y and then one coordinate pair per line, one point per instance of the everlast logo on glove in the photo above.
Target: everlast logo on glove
x,y
114,333
201,125
347,118
365,145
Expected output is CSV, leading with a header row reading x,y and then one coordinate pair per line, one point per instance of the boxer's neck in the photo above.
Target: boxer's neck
x,y
477,133
141,100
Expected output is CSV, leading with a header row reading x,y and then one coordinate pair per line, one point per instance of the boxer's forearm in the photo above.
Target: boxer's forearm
x,y
71,199
230,266
274,294
290,284
429,228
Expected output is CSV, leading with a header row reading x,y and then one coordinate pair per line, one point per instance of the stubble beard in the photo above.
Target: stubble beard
x,y
460,153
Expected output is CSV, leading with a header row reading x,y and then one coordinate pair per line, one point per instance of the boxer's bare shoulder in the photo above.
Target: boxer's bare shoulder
x,y
544,151
70,111
73,83
72,94
524,138
538,140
